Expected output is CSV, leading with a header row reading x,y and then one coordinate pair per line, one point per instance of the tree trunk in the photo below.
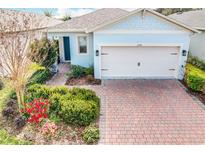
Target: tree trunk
x,y
20,98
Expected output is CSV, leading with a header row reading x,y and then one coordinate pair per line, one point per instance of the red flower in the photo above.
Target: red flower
x,y
37,110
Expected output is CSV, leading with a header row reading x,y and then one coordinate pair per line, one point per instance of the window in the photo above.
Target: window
x,y
82,44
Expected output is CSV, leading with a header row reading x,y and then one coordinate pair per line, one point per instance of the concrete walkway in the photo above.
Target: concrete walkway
x,y
60,78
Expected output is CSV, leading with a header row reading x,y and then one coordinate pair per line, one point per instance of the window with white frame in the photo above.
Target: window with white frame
x,y
82,44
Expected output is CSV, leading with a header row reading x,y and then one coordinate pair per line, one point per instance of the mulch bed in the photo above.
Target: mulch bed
x,y
82,81
65,134
199,95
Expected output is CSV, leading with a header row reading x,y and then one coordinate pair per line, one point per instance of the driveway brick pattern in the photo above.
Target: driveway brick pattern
x,y
149,112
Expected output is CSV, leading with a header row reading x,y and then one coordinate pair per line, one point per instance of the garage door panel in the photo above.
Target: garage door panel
x,y
139,61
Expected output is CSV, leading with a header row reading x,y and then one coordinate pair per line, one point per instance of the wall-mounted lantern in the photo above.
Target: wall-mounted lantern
x,y
184,52
97,52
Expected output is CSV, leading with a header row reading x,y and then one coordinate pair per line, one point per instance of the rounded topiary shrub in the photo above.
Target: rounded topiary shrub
x,y
79,112
91,135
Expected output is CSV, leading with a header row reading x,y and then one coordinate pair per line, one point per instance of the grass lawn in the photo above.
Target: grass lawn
x,y
4,93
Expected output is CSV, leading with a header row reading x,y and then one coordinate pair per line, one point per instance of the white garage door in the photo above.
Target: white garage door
x,y
139,62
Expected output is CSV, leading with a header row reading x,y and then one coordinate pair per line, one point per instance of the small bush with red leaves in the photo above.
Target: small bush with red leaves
x,y
48,129
36,111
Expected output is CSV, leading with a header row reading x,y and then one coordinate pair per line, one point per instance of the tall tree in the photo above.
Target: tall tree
x,y
48,13
66,17
16,34
169,11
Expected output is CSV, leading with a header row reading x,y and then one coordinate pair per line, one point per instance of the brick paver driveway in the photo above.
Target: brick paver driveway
x,y
149,112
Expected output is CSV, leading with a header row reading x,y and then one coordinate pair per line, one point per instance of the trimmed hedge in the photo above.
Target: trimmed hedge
x,y
195,78
79,112
77,106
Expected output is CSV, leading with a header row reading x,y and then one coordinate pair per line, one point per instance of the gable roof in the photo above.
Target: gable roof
x,y
90,20
35,21
195,19
104,17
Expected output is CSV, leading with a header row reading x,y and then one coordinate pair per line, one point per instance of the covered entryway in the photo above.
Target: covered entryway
x,y
139,62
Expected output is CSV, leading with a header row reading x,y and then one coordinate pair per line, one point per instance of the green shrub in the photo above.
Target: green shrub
x,y
196,62
40,77
55,100
44,52
37,91
91,135
79,71
89,71
76,71
7,139
85,94
77,106
62,90
195,78
79,112
1,85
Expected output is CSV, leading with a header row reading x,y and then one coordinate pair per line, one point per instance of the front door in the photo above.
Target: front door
x,y
66,42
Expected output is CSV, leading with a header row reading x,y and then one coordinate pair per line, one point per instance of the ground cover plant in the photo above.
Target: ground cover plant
x,y
79,75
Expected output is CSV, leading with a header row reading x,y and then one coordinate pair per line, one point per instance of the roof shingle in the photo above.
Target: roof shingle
x,y
195,19
90,20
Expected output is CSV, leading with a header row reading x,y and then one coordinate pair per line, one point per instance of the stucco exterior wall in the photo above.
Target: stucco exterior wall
x,y
146,21
85,60
142,29
197,45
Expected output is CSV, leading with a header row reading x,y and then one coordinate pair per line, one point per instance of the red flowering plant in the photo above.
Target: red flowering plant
x,y
36,111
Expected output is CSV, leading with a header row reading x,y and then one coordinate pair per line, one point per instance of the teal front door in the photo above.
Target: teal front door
x,y
66,42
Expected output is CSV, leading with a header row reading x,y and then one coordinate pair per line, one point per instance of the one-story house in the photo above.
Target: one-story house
x,y
195,19
125,45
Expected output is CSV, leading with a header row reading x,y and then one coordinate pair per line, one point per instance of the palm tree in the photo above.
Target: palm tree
x,y
48,13
66,17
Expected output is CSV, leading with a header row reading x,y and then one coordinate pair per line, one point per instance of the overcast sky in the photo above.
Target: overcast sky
x,y
60,12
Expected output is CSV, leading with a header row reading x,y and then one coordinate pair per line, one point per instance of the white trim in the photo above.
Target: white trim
x,y
141,32
65,30
200,28
143,44
77,45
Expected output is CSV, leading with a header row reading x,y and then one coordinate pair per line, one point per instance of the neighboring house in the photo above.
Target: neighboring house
x,y
34,21
125,45
195,19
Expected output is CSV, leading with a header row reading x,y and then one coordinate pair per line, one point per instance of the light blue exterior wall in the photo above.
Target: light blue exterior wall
x,y
135,29
85,60
197,45
147,24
